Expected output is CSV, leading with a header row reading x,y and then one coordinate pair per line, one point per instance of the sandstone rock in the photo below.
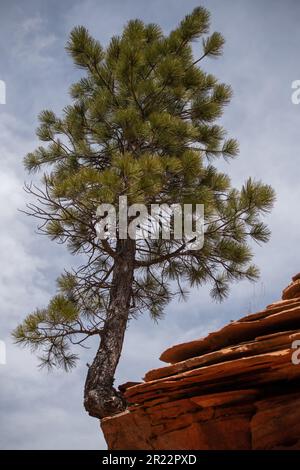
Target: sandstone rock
x,y
292,291
245,329
276,422
235,389
259,345
123,387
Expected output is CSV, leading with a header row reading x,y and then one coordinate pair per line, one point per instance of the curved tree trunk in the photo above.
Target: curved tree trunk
x,y
100,397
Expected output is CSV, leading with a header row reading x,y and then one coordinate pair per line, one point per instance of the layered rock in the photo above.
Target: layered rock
x,y
235,389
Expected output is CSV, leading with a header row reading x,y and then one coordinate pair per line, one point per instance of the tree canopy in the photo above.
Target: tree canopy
x,y
143,122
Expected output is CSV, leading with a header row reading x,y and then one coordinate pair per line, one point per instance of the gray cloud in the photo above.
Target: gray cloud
x,y
40,410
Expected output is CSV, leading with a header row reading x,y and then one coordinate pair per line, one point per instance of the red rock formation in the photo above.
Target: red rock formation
x,y
235,389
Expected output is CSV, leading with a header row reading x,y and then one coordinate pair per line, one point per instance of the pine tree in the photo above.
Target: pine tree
x,y
142,123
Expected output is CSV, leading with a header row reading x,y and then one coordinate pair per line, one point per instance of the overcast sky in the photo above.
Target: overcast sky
x,y
261,59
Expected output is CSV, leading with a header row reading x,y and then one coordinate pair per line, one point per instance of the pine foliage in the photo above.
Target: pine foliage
x,y
143,121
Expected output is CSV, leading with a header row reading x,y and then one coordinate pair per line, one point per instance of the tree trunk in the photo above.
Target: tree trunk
x,y
100,397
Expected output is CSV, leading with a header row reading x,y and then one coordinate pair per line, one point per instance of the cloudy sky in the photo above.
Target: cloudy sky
x,y
261,60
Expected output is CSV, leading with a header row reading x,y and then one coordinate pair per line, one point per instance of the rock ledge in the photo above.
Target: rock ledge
x,y
235,389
